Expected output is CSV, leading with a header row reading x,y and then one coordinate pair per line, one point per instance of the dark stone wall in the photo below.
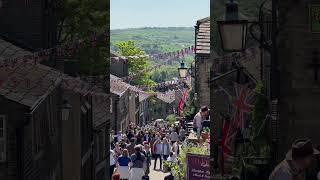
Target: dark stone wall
x,y
30,23
299,92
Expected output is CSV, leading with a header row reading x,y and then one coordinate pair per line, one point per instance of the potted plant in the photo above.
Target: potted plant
x,y
205,133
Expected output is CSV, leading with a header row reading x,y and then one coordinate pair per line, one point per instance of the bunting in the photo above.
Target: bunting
x,y
161,56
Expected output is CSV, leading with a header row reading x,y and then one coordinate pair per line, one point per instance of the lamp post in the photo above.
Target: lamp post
x,y
65,112
232,29
183,71
233,33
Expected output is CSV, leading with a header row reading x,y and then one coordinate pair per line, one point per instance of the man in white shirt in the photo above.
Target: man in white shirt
x,y
199,118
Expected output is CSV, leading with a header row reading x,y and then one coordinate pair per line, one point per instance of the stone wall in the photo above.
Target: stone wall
x,y
299,92
203,65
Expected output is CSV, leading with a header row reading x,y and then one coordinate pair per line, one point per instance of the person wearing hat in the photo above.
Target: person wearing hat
x,y
199,118
297,160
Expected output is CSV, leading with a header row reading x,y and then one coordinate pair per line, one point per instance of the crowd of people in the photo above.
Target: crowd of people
x,y
131,151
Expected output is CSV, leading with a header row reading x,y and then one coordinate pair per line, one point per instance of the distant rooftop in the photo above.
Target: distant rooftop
x,y
203,36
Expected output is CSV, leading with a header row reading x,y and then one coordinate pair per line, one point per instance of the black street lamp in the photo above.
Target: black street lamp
x,y
65,111
234,26
233,29
183,71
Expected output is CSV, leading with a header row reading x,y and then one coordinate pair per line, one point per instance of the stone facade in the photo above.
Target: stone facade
x,y
202,62
133,107
203,65
299,91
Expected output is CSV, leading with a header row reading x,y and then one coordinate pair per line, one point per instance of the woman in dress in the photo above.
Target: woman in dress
x,y
123,163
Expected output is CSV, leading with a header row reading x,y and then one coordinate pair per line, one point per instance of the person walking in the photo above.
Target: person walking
x,y
147,137
148,158
112,162
176,148
174,137
123,165
182,134
199,118
152,141
158,150
139,137
131,146
297,161
130,134
166,148
137,172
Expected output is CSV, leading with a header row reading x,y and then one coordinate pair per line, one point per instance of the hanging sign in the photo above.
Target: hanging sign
x,y
198,167
314,11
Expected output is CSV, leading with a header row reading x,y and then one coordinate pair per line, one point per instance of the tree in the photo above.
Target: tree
x,y
82,19
136,65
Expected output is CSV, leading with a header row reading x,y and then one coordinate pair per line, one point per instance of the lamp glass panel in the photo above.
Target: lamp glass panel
x,y
233,36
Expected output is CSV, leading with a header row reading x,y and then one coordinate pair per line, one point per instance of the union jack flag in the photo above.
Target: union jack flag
x,y
241,108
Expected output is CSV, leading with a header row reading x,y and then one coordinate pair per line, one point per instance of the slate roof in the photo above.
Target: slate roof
x,y
26,85
117,86
166,98
143,96
203,36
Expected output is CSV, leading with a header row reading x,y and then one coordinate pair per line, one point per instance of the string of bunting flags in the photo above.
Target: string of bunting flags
x,y
61,50
118,84
162,85
161,56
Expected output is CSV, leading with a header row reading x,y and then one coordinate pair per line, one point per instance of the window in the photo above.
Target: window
x,y
3,141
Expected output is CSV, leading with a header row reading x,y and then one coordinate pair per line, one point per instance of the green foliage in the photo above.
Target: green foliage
x,y
261,109
206,130
158,40
155,40
80,19
164,73
171,119
129,48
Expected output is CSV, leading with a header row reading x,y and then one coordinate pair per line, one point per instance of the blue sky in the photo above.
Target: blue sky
x,y
157,13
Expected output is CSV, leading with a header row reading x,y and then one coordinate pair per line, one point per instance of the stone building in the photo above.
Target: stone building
x,y
203,62
162,107
144,114
118,67
120,103
298,62
77,132
33,28
30,133
133,106
101,122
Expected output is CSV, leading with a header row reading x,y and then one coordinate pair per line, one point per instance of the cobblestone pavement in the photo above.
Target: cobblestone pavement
x,y
156,174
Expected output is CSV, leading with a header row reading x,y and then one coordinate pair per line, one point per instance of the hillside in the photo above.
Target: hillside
x,y
155,40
